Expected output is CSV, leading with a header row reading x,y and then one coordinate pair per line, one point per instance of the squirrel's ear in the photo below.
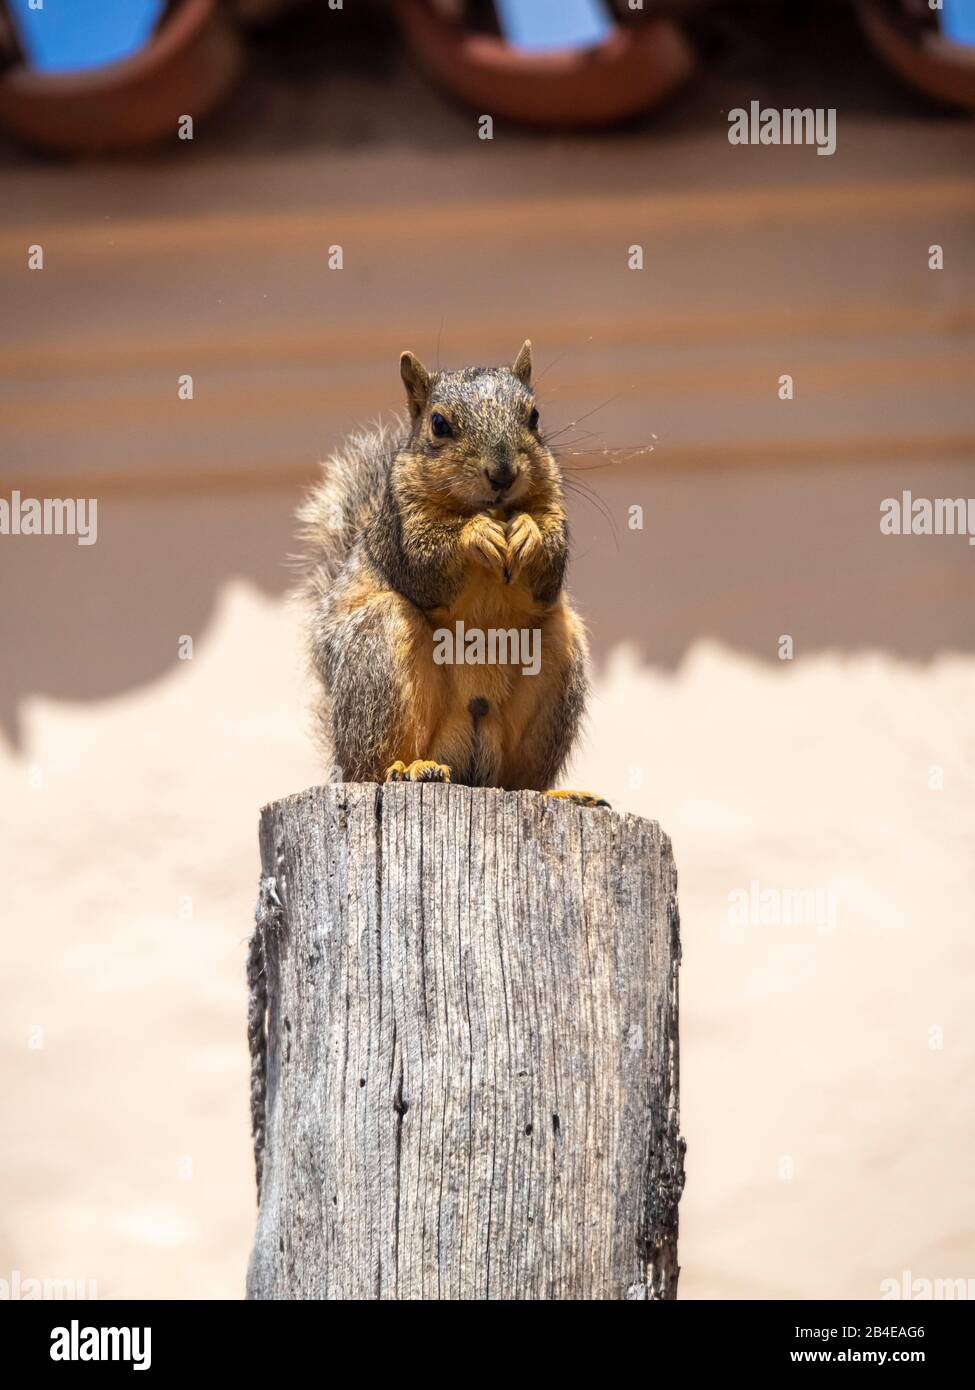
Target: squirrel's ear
x,y
522,365
416,379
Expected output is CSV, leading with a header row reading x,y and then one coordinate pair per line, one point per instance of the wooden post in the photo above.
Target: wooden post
x,y
464,1045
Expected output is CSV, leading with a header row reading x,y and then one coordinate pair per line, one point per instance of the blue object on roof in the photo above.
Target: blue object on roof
x,y
70,35
540,26
958,21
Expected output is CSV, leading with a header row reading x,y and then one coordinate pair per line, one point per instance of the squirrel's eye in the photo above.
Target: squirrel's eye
x,y
533,420
440,426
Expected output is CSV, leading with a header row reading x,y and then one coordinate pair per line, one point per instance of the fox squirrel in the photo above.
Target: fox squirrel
x,y
451,518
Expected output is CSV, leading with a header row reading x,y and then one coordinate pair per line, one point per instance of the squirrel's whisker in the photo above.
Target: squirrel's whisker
x,y
562,355
576,488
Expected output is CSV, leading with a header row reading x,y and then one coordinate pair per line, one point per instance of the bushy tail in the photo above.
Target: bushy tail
x,y
339,507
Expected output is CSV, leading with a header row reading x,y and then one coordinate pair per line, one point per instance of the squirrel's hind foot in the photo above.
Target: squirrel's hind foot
x,y
420,770
579,798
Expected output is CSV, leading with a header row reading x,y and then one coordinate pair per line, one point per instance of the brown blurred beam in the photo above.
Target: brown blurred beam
x,y
199,477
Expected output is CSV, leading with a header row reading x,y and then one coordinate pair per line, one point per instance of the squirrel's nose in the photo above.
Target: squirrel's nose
x,y
501,477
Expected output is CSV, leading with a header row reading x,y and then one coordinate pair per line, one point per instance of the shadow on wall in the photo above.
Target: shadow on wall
x,y
741,557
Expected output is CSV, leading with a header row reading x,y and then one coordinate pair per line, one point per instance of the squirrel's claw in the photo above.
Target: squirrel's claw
x,y
579,798
524,542
420,770
487,541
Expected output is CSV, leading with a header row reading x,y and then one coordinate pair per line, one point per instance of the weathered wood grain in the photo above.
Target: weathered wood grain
x,y
468,1084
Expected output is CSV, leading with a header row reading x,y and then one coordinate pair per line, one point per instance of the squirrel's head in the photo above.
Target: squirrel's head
x,y
474,433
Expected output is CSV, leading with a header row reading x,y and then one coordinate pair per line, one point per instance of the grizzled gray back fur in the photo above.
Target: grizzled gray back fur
x,y
331,522
336,512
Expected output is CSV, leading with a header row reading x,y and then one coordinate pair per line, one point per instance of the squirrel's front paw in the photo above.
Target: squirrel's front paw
x,y
421,770
487,542
524,543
